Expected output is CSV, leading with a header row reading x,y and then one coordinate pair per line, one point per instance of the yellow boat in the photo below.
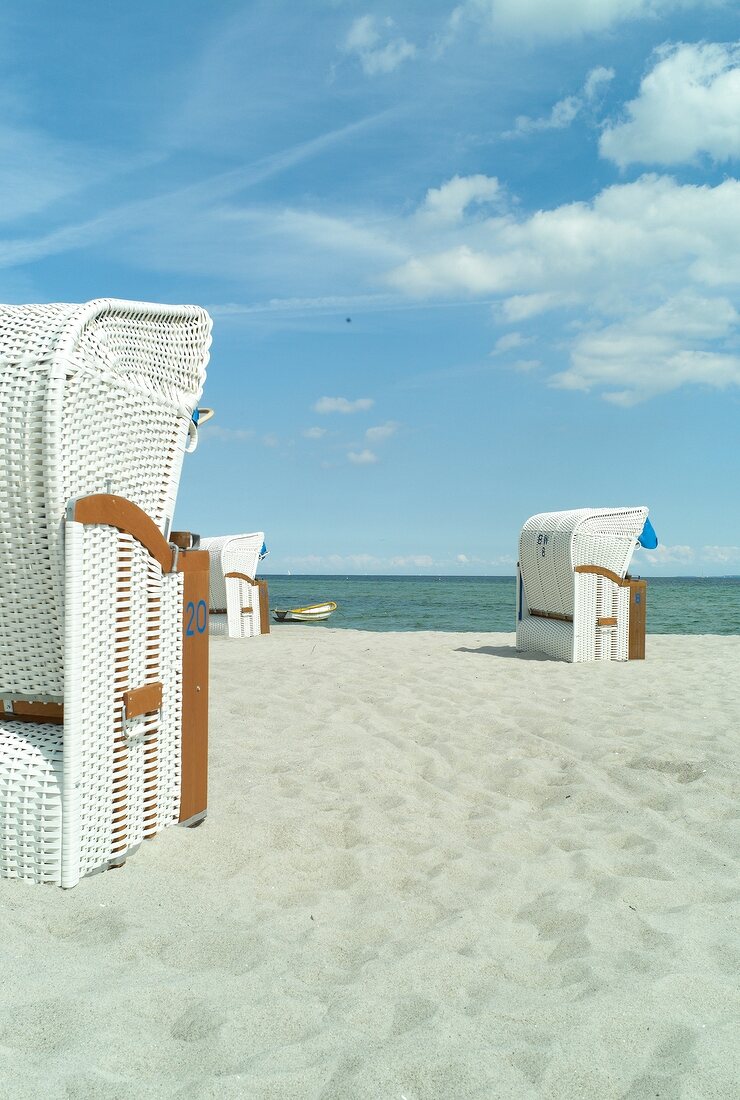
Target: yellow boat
x,y
316,613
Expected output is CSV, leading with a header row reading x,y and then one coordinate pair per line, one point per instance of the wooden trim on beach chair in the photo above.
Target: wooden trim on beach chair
x,y
195,565
601,571
551,615
143,700
610,621
127,517
184,540
637,620
241,577
23,711
264,600
264,608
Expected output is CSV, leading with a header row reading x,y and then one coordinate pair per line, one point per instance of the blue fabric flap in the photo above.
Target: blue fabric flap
x,y
648,540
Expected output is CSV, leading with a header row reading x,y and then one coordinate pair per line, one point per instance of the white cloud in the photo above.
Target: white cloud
x,y
510,342
666,555
520,307
721,555
561,116
635,254
363,34
342,405
362,458
370,39
314,433
596,80
689,103
382,431
526,365
656,351
463,559
558,19
421,561
567,109
449,202
270,440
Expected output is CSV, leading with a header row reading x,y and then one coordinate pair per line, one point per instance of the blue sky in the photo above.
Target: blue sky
x,y
465,262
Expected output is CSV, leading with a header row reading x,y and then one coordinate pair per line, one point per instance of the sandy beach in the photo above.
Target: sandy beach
x,y
432,868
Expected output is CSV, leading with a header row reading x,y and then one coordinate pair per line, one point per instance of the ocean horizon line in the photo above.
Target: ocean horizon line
x,y
495,576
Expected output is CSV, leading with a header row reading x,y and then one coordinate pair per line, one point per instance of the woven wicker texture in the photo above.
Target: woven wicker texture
x,y
122,774
234,554
31,801
551,545
93,398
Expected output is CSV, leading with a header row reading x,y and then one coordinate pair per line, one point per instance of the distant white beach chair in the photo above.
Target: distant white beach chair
x,y
574,599
102,738
239,601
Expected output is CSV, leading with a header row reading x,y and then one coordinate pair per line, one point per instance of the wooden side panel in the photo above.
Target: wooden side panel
x,y
195,565
264,608
638,620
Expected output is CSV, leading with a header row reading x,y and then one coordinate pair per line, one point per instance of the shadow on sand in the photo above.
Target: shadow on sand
x,y
504,651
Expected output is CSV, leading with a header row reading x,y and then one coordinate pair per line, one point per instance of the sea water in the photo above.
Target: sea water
x,y
676,605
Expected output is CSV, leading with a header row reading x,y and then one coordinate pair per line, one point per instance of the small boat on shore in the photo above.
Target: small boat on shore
x,y
316,613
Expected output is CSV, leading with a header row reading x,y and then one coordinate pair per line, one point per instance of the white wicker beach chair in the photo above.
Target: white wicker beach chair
x,y
101,727
239,602
574,599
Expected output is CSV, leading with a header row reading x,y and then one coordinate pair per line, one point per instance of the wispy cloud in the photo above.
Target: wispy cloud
x,y
184,204
372,40
362,458
556,19
667,555
721,555
510,342
419,561
656,350
566,110
330,303
314,433
227,435
382,431
342,405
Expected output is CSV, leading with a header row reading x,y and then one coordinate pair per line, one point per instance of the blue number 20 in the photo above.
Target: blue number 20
x,y
197,615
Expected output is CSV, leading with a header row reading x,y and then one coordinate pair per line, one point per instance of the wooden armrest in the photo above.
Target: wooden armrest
x,y
241,577
550,615
113,511
601,571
